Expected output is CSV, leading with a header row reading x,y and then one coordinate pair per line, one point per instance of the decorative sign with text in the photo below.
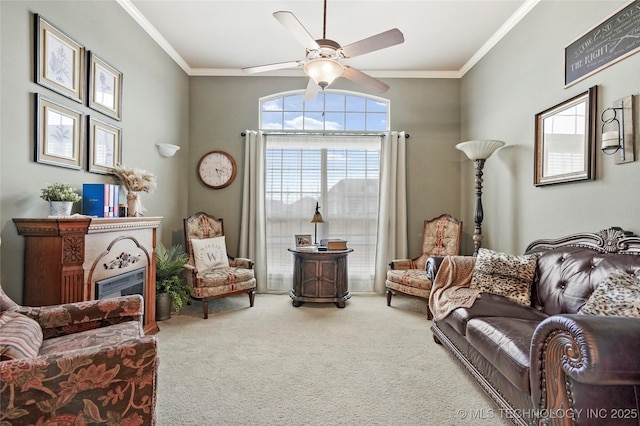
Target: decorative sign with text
x,y
612,40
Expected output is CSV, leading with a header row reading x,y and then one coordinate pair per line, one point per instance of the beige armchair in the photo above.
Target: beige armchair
x,y
77,363
211,272
441,236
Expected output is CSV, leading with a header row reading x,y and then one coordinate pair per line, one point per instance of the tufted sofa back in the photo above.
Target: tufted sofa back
x,y
566,276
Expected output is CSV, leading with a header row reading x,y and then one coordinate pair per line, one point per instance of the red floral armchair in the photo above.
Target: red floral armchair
x,y
75,364
441,236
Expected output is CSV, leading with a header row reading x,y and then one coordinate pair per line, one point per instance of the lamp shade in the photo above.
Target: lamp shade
x,y
317,217
479,149
323,71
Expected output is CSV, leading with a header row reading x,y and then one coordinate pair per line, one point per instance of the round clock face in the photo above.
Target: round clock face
x,y
217,169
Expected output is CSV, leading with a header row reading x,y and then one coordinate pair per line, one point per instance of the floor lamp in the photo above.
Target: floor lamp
x,y
478,151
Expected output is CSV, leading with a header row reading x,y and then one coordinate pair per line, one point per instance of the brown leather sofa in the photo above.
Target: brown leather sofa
x,y
547,364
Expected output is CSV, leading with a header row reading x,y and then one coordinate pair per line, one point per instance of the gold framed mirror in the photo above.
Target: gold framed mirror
x,y
565,141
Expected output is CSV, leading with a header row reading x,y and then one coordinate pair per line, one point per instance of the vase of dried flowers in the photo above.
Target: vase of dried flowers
x,y
135,181
133,206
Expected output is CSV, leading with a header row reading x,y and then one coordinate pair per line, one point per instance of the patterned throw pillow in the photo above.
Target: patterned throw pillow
x,y
505,275
617,295
20,336
210,253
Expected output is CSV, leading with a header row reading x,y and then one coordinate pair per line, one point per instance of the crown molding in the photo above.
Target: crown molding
x,y
498,35
513,20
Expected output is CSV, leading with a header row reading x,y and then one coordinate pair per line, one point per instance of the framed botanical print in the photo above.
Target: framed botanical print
x,y
105,87
58,134
59,60
105,146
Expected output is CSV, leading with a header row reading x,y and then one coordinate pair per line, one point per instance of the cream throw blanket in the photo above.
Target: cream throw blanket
x,y
450,289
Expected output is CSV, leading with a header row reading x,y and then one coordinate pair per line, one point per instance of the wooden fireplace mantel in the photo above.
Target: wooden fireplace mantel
x,y
64,257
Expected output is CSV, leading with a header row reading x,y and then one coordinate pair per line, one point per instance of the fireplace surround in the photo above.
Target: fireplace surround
x,y
64,258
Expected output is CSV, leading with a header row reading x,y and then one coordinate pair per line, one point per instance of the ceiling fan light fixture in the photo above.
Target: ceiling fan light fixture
x,y
323,71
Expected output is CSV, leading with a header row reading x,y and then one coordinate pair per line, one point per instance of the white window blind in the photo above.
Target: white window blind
x,y
341,173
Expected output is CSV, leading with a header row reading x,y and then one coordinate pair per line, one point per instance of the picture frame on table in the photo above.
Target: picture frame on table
x,y
59,60
303,240
59,131
105,146
105,87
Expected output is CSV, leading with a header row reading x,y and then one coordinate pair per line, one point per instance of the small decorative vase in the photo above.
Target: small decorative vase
x,y
133,204
60,208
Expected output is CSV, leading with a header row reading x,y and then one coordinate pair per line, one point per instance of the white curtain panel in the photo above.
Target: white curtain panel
x,y
253,233
392,213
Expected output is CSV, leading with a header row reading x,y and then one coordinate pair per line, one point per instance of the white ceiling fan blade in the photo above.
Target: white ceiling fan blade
x,y
364,80
299,32
379,41
272,67
311,91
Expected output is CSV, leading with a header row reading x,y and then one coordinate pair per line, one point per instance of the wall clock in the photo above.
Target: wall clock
x,y
217,169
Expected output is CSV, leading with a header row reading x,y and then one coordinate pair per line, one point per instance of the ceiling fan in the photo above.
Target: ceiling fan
x,y
323,56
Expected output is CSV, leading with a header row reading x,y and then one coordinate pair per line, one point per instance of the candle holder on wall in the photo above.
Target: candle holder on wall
x,y
618,135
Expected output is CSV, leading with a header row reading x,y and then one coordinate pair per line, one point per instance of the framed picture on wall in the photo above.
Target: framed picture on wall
x,y
105,146
565,140
58,134
59,60
105,87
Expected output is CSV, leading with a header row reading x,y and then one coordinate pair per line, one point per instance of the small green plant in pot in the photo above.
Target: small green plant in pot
x,y
61,197
170,282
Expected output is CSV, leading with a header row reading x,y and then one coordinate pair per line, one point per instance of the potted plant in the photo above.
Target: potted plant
x,y
61,197
171,287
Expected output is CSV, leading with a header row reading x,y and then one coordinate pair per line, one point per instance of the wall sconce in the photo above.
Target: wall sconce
x,y
166,149
316,219
618,134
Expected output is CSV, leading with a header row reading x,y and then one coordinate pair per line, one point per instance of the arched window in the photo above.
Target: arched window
x,y
331,110
325,151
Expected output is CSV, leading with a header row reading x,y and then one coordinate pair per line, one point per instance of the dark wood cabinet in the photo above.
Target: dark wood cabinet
x,y
320,276
64,258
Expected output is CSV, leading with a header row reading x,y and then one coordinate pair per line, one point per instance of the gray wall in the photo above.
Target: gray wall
x,y
155,109
428,109
162,104
520,77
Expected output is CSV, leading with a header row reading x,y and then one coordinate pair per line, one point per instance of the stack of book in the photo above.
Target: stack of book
x,y
334,244
100,199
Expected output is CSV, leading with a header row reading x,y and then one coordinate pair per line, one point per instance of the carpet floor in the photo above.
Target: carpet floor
x,y
274,364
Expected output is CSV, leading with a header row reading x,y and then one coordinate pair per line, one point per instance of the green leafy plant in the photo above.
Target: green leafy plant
x,y
60,192
170,274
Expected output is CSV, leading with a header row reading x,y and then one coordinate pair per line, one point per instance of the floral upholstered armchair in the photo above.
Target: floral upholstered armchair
x,y
78,363
441,236
211,272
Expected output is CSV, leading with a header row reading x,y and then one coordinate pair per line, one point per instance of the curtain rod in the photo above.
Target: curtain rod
x,y
243,134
